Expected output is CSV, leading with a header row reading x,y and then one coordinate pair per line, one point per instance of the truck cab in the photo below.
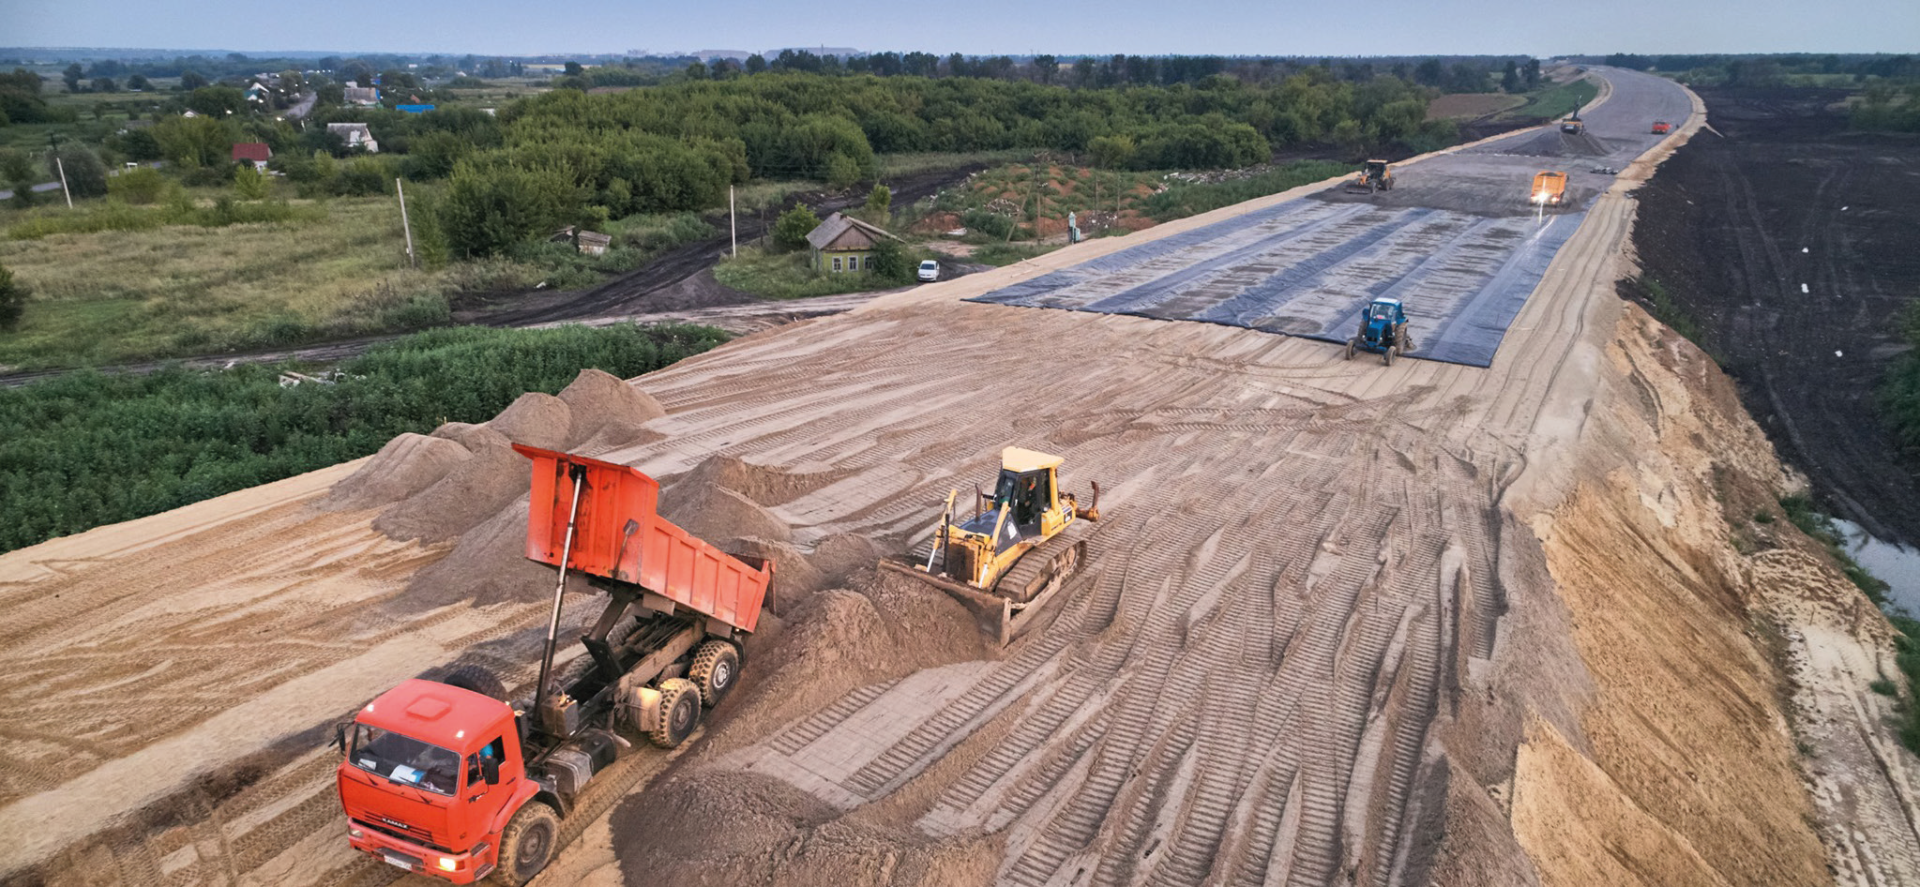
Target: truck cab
x,y
431,775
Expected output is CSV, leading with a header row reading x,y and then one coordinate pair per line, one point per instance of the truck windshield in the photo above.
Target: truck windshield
x,y
404,759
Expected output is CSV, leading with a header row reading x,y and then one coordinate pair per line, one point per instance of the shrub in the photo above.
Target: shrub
x,y
486,209
86,176
793,226
893,262
141,185
13,300
980,221
248,183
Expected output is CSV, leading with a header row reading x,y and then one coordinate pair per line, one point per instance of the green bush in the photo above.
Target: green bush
x,y
893,263
486,209
140,185
248,183
87,448
86,176
793,226
13,300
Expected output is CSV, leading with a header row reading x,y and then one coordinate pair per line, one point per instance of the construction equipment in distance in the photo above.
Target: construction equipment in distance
x,y
446,779
1549,188
1573,124
1661,127
1018,549
1383,330
1375,175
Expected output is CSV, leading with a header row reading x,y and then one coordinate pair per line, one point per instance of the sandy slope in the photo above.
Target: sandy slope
x,y
1328,636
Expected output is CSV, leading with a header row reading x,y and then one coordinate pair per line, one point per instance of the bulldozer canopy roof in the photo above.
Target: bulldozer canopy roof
x,y
1022,461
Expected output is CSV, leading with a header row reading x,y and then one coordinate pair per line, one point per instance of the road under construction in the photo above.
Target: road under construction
x,y
1345,623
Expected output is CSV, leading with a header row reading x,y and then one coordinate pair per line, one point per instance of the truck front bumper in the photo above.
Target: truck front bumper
x,y
458,868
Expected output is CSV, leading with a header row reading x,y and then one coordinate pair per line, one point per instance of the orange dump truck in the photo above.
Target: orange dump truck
x,y
1549,188
447,779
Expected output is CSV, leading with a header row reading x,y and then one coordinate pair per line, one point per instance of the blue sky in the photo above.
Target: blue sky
x,y
1273,27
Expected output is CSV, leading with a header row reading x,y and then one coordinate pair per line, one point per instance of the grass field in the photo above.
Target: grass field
x,y
115,296
1555,101
771,274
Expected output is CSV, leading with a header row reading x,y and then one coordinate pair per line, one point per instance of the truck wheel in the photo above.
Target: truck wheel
x,y
716,668
478,679
526,845
679,712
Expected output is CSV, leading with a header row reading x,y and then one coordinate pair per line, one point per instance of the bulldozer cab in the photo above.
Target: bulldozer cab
x,y
1376,169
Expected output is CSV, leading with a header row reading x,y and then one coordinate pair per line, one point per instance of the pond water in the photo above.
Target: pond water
x,y
1895,564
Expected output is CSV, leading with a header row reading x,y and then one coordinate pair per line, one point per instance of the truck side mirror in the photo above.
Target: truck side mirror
x,y
490,771
340,738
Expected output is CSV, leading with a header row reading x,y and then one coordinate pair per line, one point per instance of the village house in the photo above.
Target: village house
x,y
355,135
844,243
593,243
355,94
256,153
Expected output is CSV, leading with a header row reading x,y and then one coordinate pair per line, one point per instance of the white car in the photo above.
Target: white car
x,y
929,271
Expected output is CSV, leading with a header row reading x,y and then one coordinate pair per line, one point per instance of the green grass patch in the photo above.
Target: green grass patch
x,y
1182,198
897,165
1907,658
122,217
1554,102
771,274
1008,253
89,448
118,296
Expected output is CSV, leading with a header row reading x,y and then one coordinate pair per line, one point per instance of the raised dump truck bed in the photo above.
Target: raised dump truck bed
x,y
620,535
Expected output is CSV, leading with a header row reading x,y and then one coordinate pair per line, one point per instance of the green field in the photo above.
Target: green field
x,y
1554,102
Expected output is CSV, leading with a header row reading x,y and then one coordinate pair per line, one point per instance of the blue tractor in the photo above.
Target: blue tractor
x,y
1383,330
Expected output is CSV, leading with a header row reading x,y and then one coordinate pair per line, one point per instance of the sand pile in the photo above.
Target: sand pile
x,y
718,514
474,491
405,466
535,419
606,412
728,829
765,485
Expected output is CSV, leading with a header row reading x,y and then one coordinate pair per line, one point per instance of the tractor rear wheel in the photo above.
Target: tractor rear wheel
x,y
526,844
478,679
679,713
716,668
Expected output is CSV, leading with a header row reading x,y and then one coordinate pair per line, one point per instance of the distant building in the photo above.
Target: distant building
x,y
592,243
355,94
255,152
414,109
844,243
355,135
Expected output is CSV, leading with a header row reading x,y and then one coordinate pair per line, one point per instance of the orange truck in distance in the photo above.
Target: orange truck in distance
x,y
446,779
1549,188
1661,127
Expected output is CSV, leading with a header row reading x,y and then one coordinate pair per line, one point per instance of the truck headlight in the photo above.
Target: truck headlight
x,y
355,833
447,864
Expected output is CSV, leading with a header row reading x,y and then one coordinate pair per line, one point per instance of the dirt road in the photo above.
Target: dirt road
x,y
1336,629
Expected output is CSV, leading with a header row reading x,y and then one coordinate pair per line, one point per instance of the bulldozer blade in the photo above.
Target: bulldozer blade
x,y
994,614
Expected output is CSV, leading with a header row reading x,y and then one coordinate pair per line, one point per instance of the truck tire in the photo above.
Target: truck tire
x,y
716,668
478,679
526,844
679,713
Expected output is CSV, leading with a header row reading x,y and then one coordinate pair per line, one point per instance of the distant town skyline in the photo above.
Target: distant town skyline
x,y
984,27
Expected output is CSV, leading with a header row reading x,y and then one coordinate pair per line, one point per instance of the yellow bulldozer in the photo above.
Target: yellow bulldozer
x,y
1021,545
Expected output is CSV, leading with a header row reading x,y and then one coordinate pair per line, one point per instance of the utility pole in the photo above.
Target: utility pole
x,y
405,226
63,180
733,224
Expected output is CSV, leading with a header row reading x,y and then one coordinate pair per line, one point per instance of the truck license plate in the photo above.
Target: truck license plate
x,y
399,860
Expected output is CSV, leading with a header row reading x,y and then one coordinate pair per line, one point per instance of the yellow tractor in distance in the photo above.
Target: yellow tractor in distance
x,y
1020,546
1375,175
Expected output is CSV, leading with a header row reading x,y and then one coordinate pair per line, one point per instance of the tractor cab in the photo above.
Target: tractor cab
x,y
1383,330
